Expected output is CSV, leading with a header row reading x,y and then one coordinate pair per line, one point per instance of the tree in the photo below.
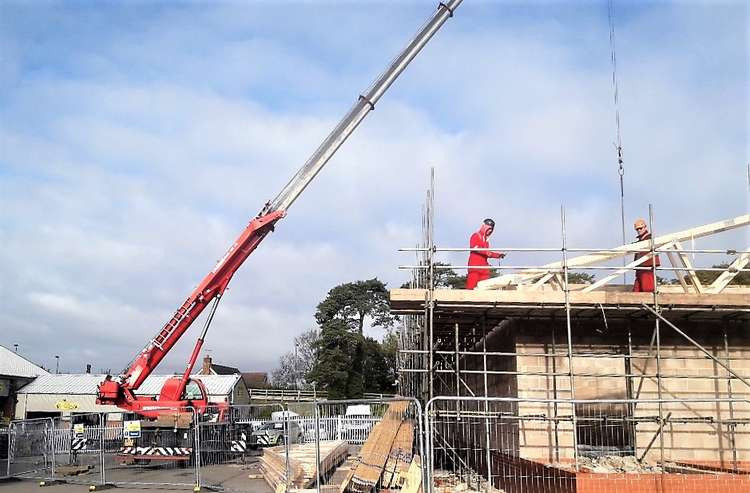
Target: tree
x,y
295,365
390,352
353,302
347,363
709,276
338,361
375,367
580,278
444,278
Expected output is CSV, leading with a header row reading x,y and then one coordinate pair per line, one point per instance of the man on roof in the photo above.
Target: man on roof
x,y
480,259
644,279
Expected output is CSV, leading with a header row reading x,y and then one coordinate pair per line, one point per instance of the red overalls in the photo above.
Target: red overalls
x,y
479,240
644,279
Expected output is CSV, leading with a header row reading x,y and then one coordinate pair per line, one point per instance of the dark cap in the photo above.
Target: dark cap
x,y
489,222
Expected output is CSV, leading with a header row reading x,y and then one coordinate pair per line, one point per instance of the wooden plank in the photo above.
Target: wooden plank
x,y
408,298
678,273
376,448
689,267
401,450
617,273
732,270
303,470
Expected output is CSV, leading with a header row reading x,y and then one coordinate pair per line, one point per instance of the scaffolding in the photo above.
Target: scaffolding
x,y
536,371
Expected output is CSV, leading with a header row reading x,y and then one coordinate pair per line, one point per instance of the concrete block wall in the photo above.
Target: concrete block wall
x,y
702,436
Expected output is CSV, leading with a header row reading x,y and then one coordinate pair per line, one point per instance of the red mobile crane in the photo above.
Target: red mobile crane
x,y
120,390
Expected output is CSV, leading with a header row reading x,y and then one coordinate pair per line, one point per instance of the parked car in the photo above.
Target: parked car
x,y
272,433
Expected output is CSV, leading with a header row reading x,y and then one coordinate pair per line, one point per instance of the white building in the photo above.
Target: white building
x,y
52,395
15,372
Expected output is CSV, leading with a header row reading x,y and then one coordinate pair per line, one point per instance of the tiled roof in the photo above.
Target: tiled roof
x,y
14,365
85,384
255,379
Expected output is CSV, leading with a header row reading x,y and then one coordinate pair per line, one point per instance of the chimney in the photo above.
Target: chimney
x,y
88,368
206,370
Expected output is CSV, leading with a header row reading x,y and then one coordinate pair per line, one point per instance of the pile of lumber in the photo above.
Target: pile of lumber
x,y
302,468
387,455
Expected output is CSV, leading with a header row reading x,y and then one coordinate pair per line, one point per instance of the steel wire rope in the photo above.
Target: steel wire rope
x,y
618,132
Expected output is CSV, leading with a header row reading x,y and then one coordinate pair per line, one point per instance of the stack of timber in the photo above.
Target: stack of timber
x,y
386,456
302,469
400,456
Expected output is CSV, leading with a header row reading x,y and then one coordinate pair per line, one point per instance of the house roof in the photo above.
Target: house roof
x,y
255,379
15,365
224,370
86,383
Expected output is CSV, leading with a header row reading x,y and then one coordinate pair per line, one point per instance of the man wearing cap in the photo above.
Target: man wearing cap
x,y
644,279
480,239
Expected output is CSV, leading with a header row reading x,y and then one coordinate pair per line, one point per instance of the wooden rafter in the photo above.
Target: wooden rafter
x,y
731,271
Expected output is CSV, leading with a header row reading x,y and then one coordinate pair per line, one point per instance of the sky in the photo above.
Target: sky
x,y
138,138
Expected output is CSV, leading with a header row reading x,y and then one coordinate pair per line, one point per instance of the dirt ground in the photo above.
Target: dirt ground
x,y
231,477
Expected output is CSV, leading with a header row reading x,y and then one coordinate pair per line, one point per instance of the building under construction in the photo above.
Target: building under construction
x,y
540,384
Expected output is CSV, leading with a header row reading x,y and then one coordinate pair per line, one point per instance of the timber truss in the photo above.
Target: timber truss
x,y
552,275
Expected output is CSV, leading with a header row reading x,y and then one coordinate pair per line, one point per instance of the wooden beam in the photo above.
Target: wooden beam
x,y
689,266
673,259
732,270
617,273
601,256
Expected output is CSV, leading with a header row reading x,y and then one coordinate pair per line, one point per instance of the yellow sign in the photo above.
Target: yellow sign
x,y
64,405
79,430
132,429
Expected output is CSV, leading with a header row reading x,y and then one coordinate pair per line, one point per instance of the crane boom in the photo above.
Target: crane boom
x,y
121,390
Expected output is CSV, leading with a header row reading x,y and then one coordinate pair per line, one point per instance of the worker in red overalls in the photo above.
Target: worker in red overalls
x,y
480,240
644,279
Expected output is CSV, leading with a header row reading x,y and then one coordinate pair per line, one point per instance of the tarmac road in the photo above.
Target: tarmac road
x,y
232,477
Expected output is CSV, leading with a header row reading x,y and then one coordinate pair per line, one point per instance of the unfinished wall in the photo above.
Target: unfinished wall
x,y
699,432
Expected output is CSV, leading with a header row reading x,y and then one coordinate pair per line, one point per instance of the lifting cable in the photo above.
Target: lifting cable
x,y
618,141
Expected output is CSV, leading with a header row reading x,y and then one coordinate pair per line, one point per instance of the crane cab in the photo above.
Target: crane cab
x,y
194,394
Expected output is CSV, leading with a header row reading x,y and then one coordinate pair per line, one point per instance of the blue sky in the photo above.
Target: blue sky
x,y
137,139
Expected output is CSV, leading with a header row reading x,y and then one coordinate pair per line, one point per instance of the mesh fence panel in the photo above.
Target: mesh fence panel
x,y
154,452
4,449
30,452
518,445
232,443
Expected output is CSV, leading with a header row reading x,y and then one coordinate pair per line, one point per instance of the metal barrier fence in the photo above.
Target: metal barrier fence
x,y
230,447
4,450
234,449
562,445
347,452
160,452
30,453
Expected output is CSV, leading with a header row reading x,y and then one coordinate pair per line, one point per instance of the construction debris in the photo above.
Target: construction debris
x,y
612,464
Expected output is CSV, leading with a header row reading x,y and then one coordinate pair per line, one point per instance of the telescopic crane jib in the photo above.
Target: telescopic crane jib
x,y
120,391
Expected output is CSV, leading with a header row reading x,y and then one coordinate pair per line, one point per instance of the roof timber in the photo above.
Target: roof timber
x,y
466,304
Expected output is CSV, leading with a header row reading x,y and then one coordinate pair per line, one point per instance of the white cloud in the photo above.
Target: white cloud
x,y
129,167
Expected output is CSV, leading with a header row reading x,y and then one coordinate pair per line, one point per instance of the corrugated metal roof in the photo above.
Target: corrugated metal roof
x,y
14,365
85,383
